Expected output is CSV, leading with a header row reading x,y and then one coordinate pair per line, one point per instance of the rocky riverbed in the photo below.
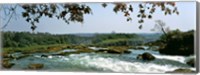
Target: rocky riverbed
x,y
94,59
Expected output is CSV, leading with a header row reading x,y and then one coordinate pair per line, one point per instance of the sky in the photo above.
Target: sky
x,y
104,20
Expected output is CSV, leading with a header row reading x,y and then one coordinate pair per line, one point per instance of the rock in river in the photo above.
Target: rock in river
x,y
191,62
127,52
181,70
7,64
115,50
44,56
35,66
146,56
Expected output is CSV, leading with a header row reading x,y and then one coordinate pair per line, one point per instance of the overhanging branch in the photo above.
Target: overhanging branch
x,y
10,17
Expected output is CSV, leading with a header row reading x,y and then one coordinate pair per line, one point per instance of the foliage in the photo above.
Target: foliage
x,y
33,12
146,9
117,39
24,39
27,39
160,26
74,12
178,43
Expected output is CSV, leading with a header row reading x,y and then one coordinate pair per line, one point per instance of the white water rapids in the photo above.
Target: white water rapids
x,y
99,62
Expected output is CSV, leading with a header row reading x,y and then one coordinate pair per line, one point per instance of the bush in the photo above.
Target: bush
x,y
179,43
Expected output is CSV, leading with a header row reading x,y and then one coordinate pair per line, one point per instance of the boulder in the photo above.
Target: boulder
x,y
146,56
5,55
16,56
7,64
191,62
181,70
140,48
35,66
108,51
67,47
44,56
127,52
113,51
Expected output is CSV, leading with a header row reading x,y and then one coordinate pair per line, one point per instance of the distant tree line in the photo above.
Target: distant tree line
x,y
117,39
24,39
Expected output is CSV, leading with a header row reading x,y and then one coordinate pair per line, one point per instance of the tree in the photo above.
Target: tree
x,y
179,43
160,26
74,12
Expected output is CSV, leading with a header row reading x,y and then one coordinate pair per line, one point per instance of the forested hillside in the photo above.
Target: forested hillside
x,y
25,39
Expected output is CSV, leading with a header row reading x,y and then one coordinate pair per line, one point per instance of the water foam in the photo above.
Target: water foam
x,y
175,58
116,65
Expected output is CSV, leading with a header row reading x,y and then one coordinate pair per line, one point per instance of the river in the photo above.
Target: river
x,y
104,62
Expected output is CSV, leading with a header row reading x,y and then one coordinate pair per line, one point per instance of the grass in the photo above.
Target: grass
x,y
36,48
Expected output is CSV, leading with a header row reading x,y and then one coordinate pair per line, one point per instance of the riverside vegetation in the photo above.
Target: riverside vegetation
x,y
26,43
